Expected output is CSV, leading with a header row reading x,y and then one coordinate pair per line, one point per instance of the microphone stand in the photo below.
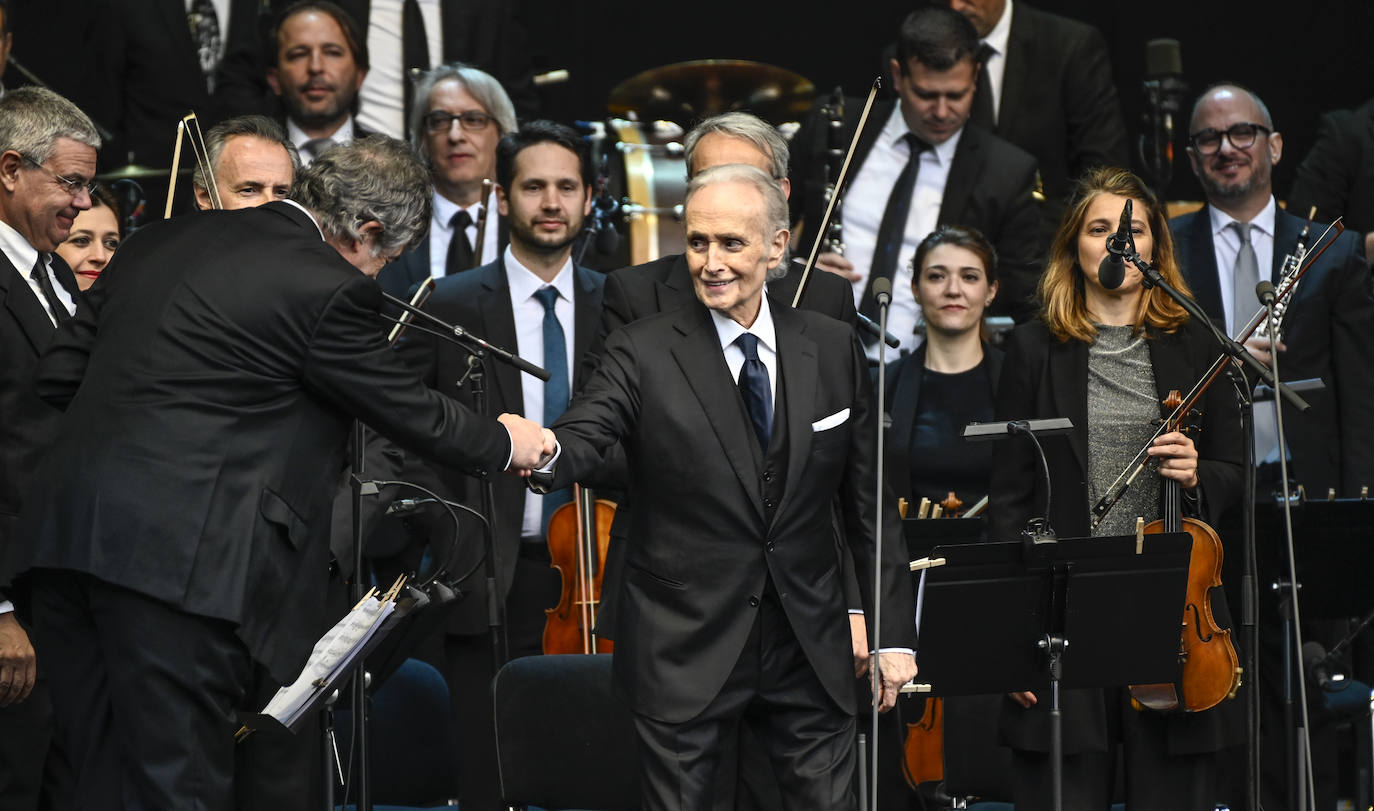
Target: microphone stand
x,y
474,378
882,294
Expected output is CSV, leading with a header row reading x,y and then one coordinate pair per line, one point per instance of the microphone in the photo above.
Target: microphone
x,y
882,291
1314,662
1265,292
1165,93
1112,271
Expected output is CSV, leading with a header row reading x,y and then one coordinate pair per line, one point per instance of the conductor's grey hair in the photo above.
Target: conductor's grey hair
x,y
32,119
746,127
255,126
373,178
775,216
479,84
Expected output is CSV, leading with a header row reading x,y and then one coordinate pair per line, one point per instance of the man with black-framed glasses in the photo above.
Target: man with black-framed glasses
x,y
1239,238
47,158
458,116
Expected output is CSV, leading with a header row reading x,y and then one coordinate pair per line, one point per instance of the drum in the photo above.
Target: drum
x,y
655,185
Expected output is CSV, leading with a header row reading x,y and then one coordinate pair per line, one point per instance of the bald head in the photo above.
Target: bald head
x,y
1232,94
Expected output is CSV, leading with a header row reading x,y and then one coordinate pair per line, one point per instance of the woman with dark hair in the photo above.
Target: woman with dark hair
x,y
949,380
1106,359
95,234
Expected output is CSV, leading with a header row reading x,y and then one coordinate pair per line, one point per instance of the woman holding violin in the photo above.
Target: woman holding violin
x,y
1106,359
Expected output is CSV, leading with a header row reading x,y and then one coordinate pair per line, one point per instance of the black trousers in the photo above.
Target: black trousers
x,y
34,772
144,695
773,690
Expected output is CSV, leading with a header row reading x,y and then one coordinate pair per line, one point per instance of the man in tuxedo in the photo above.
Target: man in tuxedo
x,y
1337,176
321,62
1046,86
533,301
920,164
733,610
1239,237
47,158
177,535
459,115
252,161
1329,324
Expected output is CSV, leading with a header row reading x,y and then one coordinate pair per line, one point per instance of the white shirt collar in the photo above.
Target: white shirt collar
x,y
17,249
444,209
1001,32
342,135
896,128
728,329
524,283
1263,221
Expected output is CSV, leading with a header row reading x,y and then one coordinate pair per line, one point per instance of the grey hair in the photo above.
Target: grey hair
x,y
256,126
373,178
32,119
747,127
774,201
479,84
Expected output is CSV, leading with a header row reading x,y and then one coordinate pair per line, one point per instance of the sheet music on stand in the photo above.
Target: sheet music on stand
x,y
333,657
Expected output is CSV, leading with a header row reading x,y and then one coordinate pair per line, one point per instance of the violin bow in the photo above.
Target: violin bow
x,y
188,128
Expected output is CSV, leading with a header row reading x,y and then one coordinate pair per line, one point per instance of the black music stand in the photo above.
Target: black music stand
x,y
1080,612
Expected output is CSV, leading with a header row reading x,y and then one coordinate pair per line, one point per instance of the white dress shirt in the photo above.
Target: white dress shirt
x,y
1226,243
529,344
729,330
345,133
865,202
996,64
23,255
441,232
383,93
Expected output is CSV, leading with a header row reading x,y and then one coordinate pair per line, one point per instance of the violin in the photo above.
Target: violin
x,y
579,533
1209,669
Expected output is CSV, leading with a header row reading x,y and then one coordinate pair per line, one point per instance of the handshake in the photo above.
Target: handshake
x,y
532,446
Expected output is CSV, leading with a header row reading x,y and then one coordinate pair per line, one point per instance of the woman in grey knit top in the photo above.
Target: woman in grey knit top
x,y
1105,359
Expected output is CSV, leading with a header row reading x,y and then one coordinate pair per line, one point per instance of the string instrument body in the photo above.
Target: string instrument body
x,y
578,535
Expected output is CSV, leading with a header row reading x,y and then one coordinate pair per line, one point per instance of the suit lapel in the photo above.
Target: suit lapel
x,y
698,355
24,307
498,327
1069,374
1017,73
1203,273
797,361
179,29
1286,230
904,397
675,291
586,317
66,277
963,175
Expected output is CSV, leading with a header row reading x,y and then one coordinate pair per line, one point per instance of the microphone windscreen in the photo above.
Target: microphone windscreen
x,y
1111,272
1265,291
1163,58
882,289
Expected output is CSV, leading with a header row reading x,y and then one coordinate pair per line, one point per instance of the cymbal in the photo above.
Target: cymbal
x,y
134,171
686,91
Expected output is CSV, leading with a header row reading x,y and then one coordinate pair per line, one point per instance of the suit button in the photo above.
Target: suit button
x,y
769,546
768,504
753,601
768,475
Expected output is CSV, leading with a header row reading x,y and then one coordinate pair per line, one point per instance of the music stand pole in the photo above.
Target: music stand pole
x,y
496,608
359,694
882,294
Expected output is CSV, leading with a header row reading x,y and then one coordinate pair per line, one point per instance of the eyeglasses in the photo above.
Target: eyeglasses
x,y
439,121
71,185
1241,136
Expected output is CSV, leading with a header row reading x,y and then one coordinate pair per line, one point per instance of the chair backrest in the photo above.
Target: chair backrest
x,y
564,738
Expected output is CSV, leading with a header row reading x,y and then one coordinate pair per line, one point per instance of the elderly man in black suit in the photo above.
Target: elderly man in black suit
x,y
919,164
1046,86
732,610
534,301
178,533
47,158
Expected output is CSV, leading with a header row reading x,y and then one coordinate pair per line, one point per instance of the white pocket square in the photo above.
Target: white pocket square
x,y
826,423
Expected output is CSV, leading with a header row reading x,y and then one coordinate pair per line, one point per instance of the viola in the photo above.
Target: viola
x,y
1209,669
578,535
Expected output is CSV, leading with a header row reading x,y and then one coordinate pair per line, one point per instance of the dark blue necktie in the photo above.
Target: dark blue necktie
x,y
753,386
556,389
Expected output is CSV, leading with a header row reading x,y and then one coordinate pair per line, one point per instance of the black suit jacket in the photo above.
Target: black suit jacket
x,y
989,187
480,300
1058,100
1043,377
1337,176
401,277
199,455
1328,328
27,424
703,542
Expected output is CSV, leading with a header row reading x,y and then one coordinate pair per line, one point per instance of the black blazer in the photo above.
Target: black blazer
x,y
401,277
199,455
27,424
1043,377
989,187
1337,176
1058,100
703,545
480,300
903,386
1328,328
